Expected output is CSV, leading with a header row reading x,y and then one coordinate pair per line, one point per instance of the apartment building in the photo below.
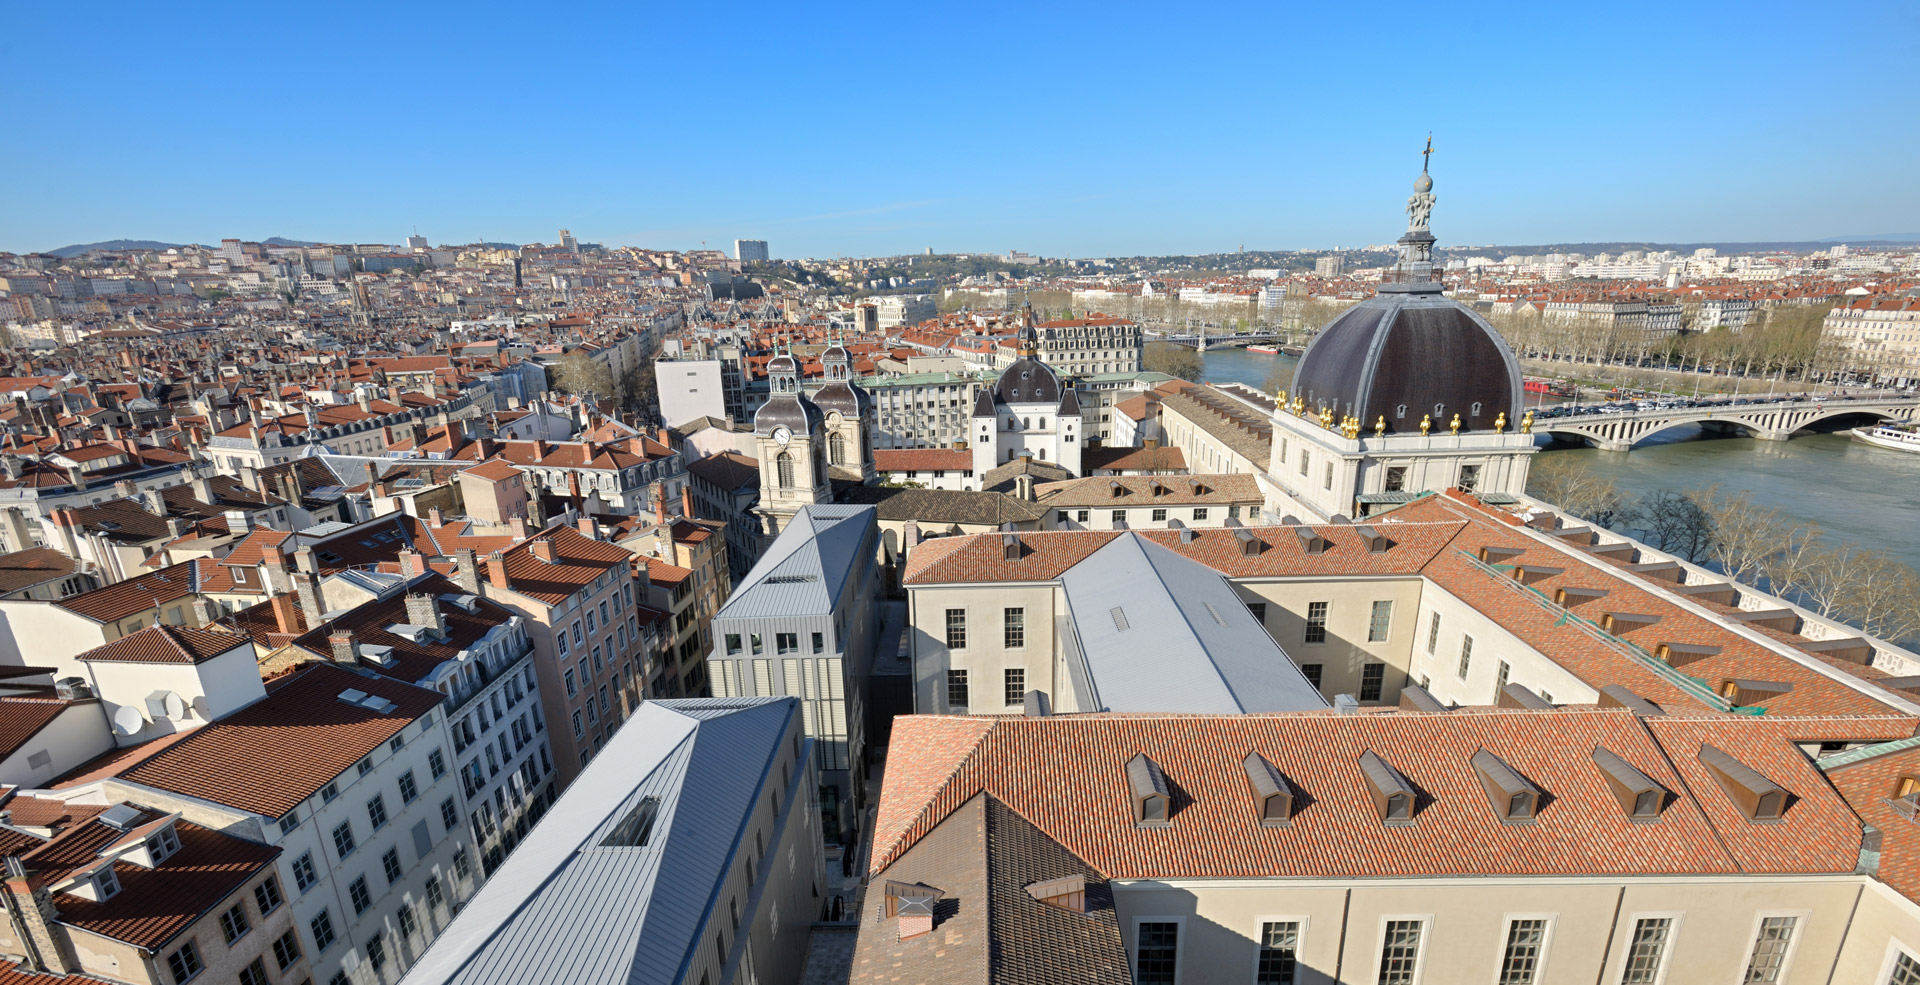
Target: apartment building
x,y
922,410
1091,346
1879,338
716,797
430,632
133,894
580,605
1218,430
347,774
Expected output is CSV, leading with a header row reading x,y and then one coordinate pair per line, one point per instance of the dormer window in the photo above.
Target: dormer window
x,y
1639,795
1152,798
1272,794
105,883
1393,796
1065,893
1759,798
162,843
1515,799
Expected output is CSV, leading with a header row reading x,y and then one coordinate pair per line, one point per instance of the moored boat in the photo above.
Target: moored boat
x,y
1889,436
1268,349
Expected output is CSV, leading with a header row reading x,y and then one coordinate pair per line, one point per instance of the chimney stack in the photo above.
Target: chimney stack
x,y
519,527
543,549
345,650
424,610
286,615
412,564
306,584
468,577
686,501
497,573
589,528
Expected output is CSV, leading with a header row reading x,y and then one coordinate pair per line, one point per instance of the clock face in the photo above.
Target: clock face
x,y
782,435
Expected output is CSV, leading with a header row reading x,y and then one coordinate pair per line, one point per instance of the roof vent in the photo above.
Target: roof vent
x,y
1377,542
1186,532
1759,798
1272,794
1616,696
1114,489
1152,799
1639,795
1413,697
1010,546
1119,618
1250,545
382,655
912,903
1514,798
1197,487
1065,893
1340,518
353,696
1494,554
1722,592
377,704
1346,704
1393,796
1037,705
122,817
1310,541
1289,520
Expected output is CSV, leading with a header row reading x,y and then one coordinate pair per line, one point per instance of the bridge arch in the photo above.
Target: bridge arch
x,y
1765,421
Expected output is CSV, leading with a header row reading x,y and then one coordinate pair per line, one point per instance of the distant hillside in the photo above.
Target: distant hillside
x,y
280,241
112,244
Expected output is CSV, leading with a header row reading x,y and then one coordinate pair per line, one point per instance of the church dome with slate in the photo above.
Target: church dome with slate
x,y
1410,353
1028,380
841,394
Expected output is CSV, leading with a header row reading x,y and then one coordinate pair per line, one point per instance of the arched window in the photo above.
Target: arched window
x,y
836,449
784,465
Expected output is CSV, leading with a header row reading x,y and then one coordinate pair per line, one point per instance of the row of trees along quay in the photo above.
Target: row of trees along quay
x,y
1790,558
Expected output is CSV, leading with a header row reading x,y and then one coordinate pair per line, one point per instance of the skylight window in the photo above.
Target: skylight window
x,y
636,828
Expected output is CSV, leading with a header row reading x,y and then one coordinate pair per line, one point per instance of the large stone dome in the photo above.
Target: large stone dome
x,y
1408,354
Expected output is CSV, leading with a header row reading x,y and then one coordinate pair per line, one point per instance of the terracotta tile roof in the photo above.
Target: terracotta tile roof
x,y
122,599
22,718
728,470
1067,775
277,752
412,662
155,905
1150,491
922,459
1162,459
165,645
578,560
25,569
493,470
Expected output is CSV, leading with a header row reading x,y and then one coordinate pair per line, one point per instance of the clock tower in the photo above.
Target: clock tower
x,y
792,444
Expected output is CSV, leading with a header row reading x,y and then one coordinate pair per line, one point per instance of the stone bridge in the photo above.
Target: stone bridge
x,y
1768,421
1205,340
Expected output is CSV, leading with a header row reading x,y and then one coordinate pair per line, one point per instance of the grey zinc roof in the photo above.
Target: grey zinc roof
x,y
563,910
804,569
1188,644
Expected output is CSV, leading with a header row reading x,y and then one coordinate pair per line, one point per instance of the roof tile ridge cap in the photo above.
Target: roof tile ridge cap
x,y
924,820
1666,756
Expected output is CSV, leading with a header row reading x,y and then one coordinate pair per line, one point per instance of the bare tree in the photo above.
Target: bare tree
x,y
1673,522
1576,489
1173,360
1746,537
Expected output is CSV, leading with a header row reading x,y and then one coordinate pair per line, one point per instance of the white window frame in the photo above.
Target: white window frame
x,y
1793,946
1894,950
1420,955
1678,918
1546,943
1179,945
1259,936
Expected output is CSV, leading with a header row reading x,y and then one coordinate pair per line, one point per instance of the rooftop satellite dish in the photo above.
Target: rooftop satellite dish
x,y
127,720
176,706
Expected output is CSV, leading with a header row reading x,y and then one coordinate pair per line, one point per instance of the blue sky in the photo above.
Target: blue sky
x,y
881,129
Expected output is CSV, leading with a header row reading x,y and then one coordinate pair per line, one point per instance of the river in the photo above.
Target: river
x,y
1856,493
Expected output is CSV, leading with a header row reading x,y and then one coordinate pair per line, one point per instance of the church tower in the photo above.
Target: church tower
x,y
850,419
789,430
